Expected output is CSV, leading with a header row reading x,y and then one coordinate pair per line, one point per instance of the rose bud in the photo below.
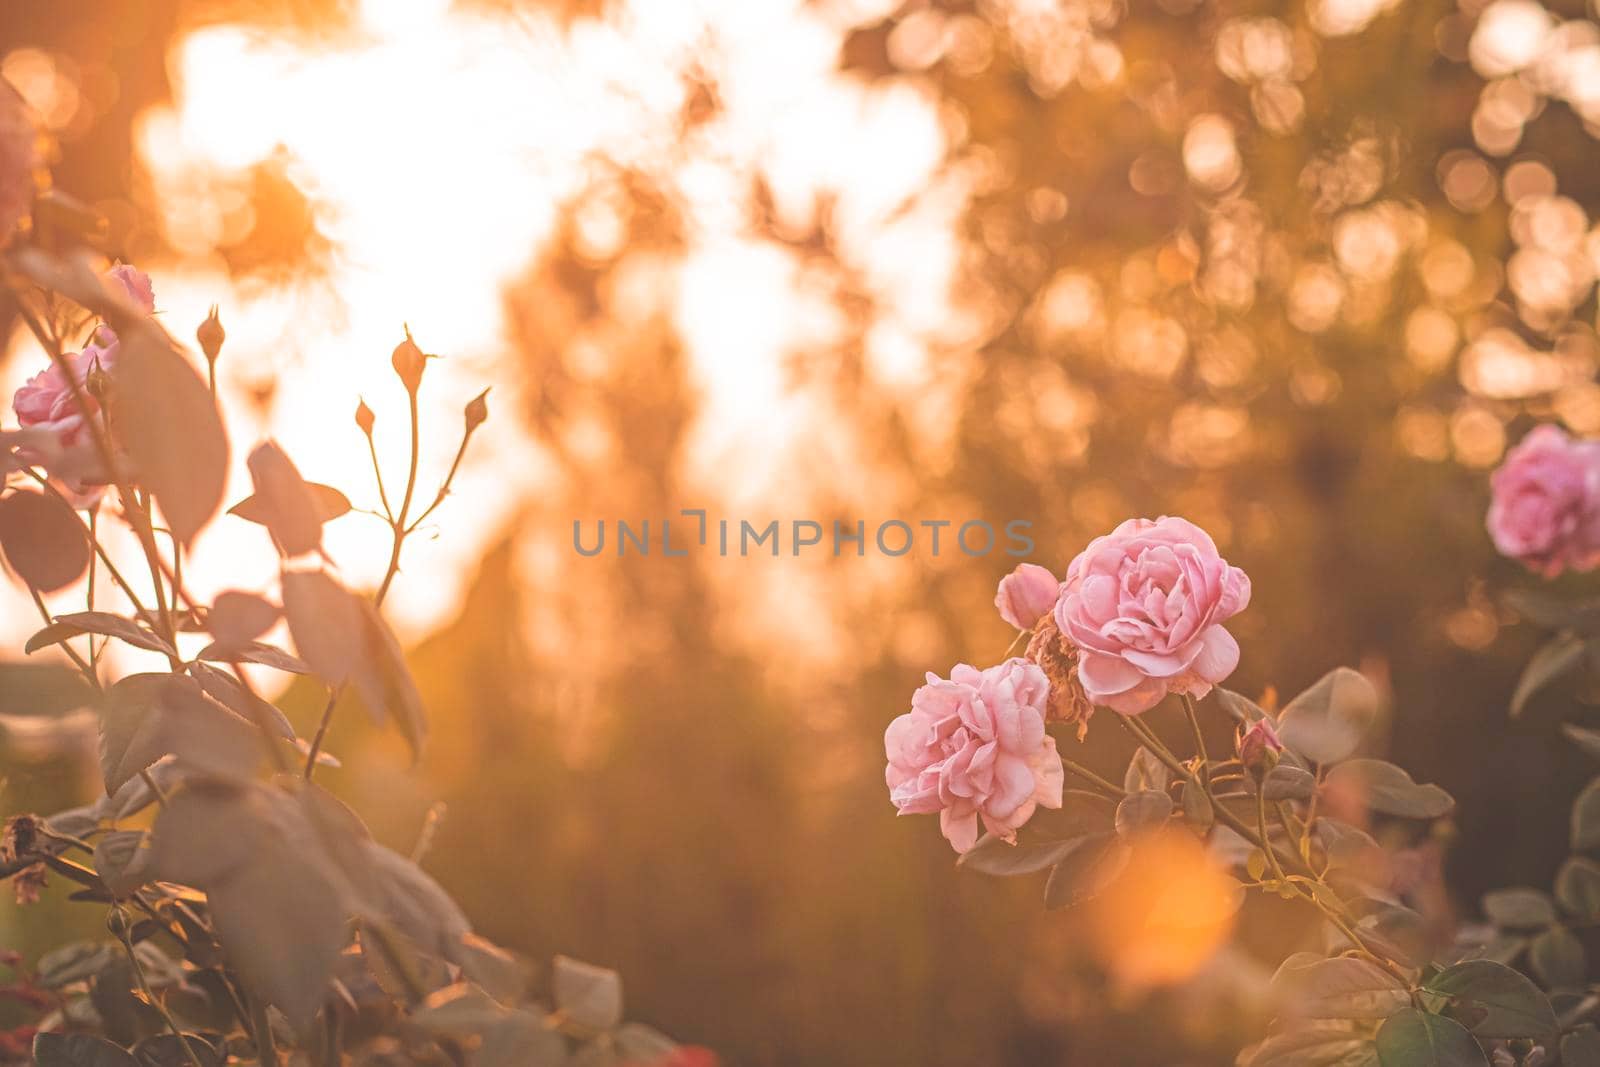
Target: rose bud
x,y
477,410
1259,748
211,335
364,417
408,362
1027,595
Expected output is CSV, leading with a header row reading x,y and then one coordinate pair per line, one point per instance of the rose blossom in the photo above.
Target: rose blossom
x,y
1026,595
133,285
1546,502
1143,606
974,745
45,405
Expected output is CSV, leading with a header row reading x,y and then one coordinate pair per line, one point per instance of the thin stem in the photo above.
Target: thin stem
x,y
1089,776
377,471
149,780
322,732
405,504
88,599
160,1006
444,487
1199,738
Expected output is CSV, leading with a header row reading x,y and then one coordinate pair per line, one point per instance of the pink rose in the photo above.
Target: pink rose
x,y
45,404
1026,595
133,285
975,746
1143,605
1546,504
58,437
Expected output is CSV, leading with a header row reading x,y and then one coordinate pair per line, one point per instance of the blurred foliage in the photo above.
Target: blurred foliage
x,y
1297,272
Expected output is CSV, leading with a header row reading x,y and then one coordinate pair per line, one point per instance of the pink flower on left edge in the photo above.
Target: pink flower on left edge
x,y
1144,606
1027,595
56,432
1545,510
973,747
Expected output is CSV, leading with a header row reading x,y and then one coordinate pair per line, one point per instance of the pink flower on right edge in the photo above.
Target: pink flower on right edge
x,y
1545,510
1144,606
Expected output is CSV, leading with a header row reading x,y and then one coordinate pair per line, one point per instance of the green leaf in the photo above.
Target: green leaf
x,y
1578,888
1093,864
1519,908
1319,1045
1327,722
1146,772
994,855
1554,660
521,1040
1558,959
328,503
42,539
147,716
344,639
79,1050
235,617
165,416
286,505
1412,1038
1494,1000
1586,818
591,996
103,623
459,1009
254,652
1343,987
1389,790
1581,1048
122,861
75,962
1139,812
1554,611
499,973
278,899
414,903
226,690
1288,782
1586,739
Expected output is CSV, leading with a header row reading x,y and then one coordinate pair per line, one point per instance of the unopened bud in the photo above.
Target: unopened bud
x,y
97,383
477,410
1259,748
408,362
211,335
364,417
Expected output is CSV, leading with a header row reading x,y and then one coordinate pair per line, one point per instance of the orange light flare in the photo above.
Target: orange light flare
x,y
1166,916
